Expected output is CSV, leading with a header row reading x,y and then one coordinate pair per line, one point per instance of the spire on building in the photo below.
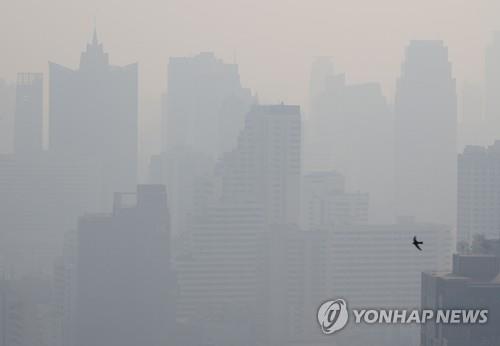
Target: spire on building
x,y
94,37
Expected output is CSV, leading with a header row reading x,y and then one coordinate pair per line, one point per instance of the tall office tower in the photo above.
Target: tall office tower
x,y
29,114
471,121
224,273
491,90
265,167
321,69
7,110
93,116
376,266
11,321
350,130
123,278
184,173
40,199
23,308
474,283
205,105
478,189
297,285
325,202
426,126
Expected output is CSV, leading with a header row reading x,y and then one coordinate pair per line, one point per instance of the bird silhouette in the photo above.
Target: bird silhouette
x,y
417,243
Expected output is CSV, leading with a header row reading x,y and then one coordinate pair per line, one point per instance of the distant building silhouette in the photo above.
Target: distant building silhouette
x,y
94,116
124,283
426,126
376,266
29,114
41,193
184,172
224,272
471,129
326,203
265,167
478,189
205,105
7,110
41,197
350,130
24,304
491,129
474,283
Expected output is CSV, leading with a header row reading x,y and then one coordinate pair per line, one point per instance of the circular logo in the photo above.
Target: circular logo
x,y
333,316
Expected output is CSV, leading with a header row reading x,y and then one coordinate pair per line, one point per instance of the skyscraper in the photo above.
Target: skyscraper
x,y
350,130
265,167
478,191
29,114
124,283
205,105
426,126
7,110
491,130
474,283
471,125
326,203
375,266
93,116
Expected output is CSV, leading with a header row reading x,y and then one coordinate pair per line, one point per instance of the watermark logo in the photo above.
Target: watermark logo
x,y
333,315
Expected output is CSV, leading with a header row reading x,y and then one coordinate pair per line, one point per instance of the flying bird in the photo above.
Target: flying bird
x,y
417,243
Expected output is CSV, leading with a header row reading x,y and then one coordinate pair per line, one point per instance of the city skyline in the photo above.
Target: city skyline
x,y
231,173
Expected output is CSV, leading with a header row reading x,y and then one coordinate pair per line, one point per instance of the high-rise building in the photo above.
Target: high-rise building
x,y
225,266
426,126
350,130
24,304
376,266
184,173
7,110
205,105
28,139
94,114
325,202
41,198
491,130
123,273
265,167
474,283
478,199
471,121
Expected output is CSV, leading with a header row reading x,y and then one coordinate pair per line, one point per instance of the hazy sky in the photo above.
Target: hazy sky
x,y
273,41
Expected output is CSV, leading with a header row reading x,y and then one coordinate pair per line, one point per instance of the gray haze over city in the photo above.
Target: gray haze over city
x,y
209,173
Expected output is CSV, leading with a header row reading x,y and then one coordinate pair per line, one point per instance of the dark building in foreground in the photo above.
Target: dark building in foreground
x,y
123,279
474,283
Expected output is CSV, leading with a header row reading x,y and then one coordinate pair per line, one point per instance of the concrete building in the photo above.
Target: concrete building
x,y
325,202
377,266
478,192
350,130
93,113
205,105
7,110
28,139
474,283
426,127
123,274
265,167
